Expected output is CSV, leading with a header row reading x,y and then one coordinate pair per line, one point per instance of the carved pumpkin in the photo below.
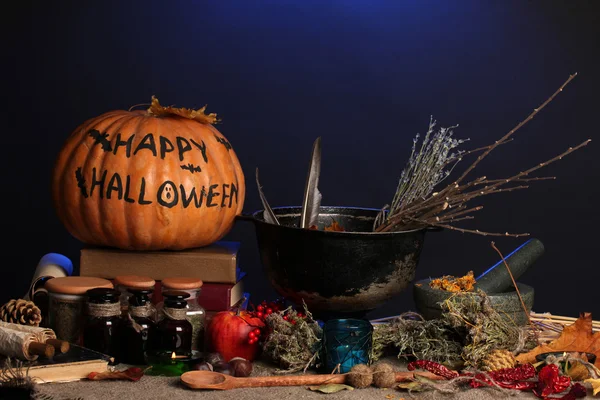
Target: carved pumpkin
x,y
163,178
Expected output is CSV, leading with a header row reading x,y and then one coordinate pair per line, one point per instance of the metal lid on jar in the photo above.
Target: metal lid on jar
x,y
135,281
103,295
181,283
77,285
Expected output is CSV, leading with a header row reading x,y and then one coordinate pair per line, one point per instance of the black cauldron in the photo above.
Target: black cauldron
x,y
338,274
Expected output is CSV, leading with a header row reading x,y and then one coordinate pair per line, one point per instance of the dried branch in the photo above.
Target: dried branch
x,y
516,128
417,205
514,283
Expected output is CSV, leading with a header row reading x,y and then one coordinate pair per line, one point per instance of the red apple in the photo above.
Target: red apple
x,y
228,334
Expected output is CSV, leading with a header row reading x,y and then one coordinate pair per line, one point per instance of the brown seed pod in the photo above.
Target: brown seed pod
x,y
360,376
384,375
240,367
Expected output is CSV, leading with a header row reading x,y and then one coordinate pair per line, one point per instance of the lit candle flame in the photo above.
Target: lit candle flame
x,y
173,355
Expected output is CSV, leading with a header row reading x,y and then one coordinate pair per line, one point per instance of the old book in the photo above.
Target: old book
x,y
220,296
73,365
213,296
214,263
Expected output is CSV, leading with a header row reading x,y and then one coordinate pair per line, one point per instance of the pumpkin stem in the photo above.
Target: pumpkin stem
x,y
199,115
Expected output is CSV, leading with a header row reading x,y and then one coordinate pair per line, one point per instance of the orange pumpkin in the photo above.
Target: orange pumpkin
x,y
163,178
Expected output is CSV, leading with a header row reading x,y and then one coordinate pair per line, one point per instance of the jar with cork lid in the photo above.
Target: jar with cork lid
x,y
125,283
66,301
194,311
103,327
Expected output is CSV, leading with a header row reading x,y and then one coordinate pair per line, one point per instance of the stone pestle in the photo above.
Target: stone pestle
x,y
497,279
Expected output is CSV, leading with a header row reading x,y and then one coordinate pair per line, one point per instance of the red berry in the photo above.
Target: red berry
x,y
259,314
260,308
256,331
252,335
269,311
285,317
293,322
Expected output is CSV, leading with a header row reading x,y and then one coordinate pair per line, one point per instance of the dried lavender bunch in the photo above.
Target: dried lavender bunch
x,y
451,204
425,169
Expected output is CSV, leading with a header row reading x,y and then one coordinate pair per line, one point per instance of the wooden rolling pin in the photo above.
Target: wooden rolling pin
x,y
219,381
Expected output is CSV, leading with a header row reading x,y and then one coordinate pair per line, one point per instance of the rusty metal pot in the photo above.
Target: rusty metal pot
x,y
338,274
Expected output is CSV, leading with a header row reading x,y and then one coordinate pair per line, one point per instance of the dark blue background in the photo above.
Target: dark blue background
x,y
363,75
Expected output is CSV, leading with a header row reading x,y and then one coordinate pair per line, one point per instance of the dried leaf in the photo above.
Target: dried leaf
x,y
330,388
575,337
577,372
198,115
413,386
595,385
334,227
130,374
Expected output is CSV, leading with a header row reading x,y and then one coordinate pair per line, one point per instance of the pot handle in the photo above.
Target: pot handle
x,y
245,217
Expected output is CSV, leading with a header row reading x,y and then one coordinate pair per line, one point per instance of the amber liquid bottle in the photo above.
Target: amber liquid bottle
x,y
175,331
102,330
141,332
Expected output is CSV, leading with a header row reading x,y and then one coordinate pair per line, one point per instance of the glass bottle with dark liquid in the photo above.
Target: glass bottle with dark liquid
x,y
141,332
175,331
103,325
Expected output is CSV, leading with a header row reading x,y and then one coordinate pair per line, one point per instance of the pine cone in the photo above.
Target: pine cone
x,y
498,359
21,312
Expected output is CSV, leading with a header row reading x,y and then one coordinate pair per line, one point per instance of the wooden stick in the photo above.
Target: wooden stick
x,y
41,349
557,317
60,345
514,283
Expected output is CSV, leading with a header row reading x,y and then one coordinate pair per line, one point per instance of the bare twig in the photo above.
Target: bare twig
x,y
514,283
516,128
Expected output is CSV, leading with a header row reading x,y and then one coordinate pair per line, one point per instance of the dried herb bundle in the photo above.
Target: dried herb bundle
x,y
294,346
428,340
468,330
416,204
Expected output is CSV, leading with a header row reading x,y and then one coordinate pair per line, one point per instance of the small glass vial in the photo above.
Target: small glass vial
x,y
346,343
174,330
124,284
103,326
195,312
66,301
141,332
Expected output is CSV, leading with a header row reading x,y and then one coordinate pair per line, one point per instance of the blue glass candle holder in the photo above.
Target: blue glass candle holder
x,y
346,343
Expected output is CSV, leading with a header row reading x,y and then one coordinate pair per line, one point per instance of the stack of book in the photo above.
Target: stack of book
x,y
217,265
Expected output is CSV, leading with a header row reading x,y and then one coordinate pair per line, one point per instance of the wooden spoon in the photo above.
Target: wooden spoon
x,y
219,381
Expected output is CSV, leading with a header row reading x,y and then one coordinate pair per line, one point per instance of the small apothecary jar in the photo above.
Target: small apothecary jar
x,y
195,312
103,327
346,343
141,331
124,284
174,330
66,300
